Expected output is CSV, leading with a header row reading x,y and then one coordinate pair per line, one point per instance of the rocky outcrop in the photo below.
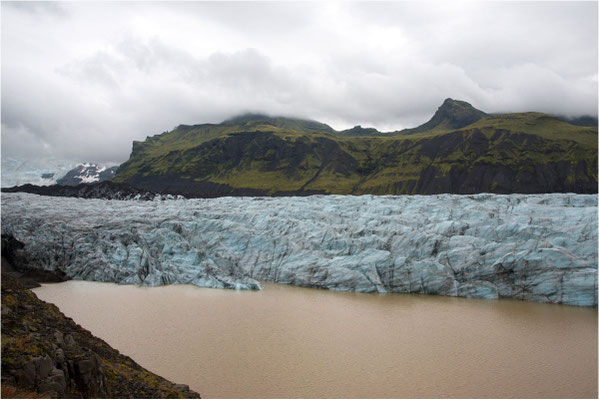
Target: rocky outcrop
x,y
452,114
27,273
531,247
103,190
44,353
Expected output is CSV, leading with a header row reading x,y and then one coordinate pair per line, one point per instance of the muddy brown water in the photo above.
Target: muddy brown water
x,y
287,341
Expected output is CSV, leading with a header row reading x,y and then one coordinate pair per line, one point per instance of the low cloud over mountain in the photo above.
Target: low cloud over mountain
x,y
81,81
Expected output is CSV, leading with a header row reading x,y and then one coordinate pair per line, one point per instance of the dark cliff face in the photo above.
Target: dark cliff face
x,y
464,161
487,164
45,354
27,272
293,161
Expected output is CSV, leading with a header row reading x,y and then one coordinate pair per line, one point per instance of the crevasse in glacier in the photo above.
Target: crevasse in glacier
x,y
533,247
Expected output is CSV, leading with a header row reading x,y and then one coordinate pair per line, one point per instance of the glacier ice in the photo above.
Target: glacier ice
x,y
533,247
44,172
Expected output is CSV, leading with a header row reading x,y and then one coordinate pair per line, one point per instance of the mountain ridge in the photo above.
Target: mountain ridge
x,y
87,173
459,150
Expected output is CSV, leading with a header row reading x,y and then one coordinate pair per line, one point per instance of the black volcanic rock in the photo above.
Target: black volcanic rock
x,y
102,190
28,273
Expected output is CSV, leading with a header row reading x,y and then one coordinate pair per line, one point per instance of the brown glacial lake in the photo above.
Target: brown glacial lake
x,y
287,341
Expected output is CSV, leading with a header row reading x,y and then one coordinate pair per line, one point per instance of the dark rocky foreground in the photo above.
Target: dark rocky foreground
x,y
27,273
46,354
102,190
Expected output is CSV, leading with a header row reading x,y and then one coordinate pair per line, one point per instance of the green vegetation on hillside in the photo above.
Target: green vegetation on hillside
x,y
463,150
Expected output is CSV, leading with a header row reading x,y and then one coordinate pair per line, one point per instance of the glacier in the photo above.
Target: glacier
x,y
46,172
532,247
41,172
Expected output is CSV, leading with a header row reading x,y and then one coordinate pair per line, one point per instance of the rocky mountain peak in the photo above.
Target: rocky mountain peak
x,y
454,106
457,114
452,114
87,173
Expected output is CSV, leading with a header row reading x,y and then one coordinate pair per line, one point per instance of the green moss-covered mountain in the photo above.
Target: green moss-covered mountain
x,y
460,150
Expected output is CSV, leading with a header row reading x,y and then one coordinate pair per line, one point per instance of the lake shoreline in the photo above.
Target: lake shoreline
x,y
45,353
345,344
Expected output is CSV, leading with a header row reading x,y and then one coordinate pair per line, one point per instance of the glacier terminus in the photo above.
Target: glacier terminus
x,y
532,247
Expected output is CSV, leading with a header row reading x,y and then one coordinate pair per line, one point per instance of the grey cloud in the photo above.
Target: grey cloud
x,y
388,65
262,18
38,8
101,69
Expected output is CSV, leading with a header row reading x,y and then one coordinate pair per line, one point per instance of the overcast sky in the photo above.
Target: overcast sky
x,y
80,81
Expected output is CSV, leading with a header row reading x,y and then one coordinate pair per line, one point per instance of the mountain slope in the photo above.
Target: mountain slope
x,y
504,153
87,173
359,131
